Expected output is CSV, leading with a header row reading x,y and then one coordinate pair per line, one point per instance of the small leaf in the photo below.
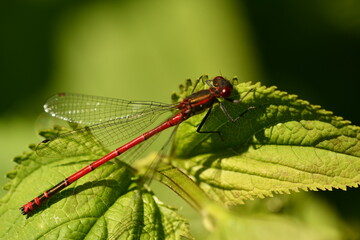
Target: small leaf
x,y
284,144
183,186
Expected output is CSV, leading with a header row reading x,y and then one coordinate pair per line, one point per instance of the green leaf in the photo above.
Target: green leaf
x,y
284,144
106,204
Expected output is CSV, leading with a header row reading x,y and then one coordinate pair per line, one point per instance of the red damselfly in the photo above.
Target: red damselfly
x,y
110,120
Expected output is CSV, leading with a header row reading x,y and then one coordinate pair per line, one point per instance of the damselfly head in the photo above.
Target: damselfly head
x,y
223,86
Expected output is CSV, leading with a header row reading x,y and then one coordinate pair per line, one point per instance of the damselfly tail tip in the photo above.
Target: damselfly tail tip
x,y
23,211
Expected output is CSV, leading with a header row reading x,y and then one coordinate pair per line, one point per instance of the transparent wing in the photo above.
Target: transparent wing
x,y
105,121
92,110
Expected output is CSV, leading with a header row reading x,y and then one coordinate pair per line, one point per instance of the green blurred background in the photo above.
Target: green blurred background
x,y
144,49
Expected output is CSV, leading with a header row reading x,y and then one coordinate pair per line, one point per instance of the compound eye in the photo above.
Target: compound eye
x,y
226,92
217,80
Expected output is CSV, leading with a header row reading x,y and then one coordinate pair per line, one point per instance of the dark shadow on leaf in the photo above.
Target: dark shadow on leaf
x,y
76,190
